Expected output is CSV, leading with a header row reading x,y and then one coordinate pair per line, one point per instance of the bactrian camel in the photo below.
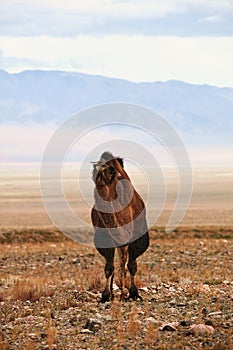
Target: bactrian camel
x,y
119,221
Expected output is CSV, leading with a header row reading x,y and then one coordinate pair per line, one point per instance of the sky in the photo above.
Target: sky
x,y
189,40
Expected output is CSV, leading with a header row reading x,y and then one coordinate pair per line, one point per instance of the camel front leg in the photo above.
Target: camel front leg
x,y
133,290
123,254
107,294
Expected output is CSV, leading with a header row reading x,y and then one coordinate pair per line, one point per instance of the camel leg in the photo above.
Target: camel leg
x,y
136,249
123,254
109,274
133,291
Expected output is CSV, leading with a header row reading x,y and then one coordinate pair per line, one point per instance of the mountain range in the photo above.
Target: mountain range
x,y
202,112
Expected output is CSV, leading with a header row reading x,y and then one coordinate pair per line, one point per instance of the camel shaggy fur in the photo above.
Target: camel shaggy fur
x,y
119,220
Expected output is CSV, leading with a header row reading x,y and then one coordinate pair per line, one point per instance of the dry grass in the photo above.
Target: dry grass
x,y
49,290
50,287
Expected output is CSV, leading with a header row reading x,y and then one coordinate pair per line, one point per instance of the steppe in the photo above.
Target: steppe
x,y
50,285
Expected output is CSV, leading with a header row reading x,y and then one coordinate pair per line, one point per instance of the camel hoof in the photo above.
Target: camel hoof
x,y
106,296
133,294
135,297
123,297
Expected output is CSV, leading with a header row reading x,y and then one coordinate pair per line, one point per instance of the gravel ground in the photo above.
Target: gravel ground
x,y
50,290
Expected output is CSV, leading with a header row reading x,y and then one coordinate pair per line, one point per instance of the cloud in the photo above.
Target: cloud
x,y
7,62
212,19
101,17
129,8
130,39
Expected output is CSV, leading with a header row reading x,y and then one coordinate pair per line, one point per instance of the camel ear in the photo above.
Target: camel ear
x,y
120,160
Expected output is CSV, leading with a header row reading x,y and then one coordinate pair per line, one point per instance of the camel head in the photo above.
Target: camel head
x,y
107,169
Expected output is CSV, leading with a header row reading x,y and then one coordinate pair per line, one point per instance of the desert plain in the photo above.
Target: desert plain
x,y
50,285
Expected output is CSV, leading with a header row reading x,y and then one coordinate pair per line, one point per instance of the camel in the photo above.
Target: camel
x,y
119,221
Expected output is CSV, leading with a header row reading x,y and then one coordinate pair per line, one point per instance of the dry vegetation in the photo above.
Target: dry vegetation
x,y
50,286
50,289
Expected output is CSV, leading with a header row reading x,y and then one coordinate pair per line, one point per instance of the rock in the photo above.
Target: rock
x,y
215,313
151,320
33,335
86,331
201,330
169,326
76,261
185,323
93,324
226,282
173,311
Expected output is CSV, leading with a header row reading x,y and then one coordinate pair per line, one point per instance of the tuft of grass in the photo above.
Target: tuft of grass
x,y
2,296
30,289
120,328
151,335
4,345
213,282
133,326
29,345
51,331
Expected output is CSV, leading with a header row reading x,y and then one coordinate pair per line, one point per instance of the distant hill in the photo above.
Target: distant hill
x,y
202,111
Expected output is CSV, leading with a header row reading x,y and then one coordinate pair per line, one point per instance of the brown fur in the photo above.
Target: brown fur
x,y
119,220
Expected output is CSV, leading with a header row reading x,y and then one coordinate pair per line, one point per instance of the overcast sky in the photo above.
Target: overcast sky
x,y
189,40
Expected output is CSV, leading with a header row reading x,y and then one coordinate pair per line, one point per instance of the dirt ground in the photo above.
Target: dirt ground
x,y
50,286
50,293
